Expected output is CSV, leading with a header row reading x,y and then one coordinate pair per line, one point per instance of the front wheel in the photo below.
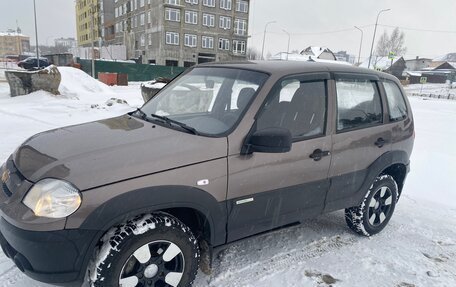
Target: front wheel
x,y
152,250
377,208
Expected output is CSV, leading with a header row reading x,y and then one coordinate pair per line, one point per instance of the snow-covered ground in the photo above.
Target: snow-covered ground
x,y
418,248
435,90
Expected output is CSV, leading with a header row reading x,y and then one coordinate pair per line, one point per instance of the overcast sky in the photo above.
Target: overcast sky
x,y
307,21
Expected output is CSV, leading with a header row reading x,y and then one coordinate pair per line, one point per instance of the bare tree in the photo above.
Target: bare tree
x,y
394,43
253,54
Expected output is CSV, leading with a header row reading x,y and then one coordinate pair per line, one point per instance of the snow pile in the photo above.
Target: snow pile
x,y
77,84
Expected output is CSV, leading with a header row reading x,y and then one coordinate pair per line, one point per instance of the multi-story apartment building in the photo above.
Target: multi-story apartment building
x,y
97,17
13,43
65,42
182,32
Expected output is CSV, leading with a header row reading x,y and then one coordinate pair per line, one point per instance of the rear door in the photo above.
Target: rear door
x,y
267,190
360,138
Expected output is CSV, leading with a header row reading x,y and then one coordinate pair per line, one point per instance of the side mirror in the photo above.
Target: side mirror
x,y
270,140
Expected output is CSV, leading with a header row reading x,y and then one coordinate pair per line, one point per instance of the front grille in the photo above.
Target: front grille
x,y
6,190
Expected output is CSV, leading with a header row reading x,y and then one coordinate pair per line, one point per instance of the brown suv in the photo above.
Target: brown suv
x,y
223,152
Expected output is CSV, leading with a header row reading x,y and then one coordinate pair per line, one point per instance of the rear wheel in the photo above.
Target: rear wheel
x,y
377,208
153,250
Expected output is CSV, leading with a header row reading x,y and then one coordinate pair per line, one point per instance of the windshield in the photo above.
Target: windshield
x,y
209,100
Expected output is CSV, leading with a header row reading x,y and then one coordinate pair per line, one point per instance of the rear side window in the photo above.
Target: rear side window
x,y
358,104
298,106
396,103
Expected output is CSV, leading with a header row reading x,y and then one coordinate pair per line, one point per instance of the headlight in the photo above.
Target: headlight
x,y
53,198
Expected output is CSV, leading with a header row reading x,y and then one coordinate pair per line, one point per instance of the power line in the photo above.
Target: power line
x,y
417,29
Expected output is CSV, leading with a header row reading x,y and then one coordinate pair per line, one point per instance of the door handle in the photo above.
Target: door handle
x,y
318,154
380,142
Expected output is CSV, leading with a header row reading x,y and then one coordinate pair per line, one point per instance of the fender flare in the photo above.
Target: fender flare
x,y
377,167
370,173
151,199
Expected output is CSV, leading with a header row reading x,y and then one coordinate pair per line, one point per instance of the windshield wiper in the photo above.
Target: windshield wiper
x,y
182,125
143,115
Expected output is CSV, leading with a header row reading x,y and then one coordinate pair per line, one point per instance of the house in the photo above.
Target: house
x,y
394,66
450,58
322,53
417,64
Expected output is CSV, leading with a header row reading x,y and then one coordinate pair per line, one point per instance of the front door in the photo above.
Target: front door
x,y
267,190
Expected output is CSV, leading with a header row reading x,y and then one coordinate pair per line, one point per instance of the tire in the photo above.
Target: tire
x,y
150,250
377,208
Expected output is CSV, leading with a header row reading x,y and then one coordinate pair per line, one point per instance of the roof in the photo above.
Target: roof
x,y
316,51
284,68
419,59
440,64
378,62
13,34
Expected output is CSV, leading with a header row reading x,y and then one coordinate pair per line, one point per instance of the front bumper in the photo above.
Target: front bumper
x,y
41,248
52,257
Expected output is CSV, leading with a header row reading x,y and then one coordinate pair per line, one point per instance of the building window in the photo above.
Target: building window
x,y
191,17
190,40
172,38
172,14
150,39
141,3
225,4
209,3
224,44
207,42
149,17
242,6
239,47
225,22
192,2
173,2
143,40
142,19
208,20
240,27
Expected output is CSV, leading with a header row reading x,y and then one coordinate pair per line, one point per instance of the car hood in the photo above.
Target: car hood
x,y
102,152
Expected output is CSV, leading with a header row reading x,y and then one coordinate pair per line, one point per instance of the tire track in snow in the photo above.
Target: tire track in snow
x,y
25,117
259,270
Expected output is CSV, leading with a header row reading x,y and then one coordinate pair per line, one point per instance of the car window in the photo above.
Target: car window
x,y
358,104
210,100
297,106
396,103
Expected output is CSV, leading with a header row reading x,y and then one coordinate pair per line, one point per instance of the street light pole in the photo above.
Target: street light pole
x,y
375,32
93,38
289,39
360,45
36,36
264,37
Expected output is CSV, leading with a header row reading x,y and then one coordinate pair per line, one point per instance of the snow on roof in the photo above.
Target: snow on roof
x,y
315,50
298,57
414,74
380,62
15,34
